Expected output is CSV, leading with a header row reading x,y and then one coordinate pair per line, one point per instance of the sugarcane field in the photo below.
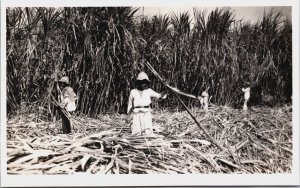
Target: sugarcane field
x,y
135,90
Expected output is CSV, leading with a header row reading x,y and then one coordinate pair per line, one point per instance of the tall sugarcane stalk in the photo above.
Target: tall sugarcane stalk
x,y
175,92
100,50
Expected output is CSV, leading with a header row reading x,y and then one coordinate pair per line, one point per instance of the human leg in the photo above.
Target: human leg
x,y
147,120
245,107
66,124
136,124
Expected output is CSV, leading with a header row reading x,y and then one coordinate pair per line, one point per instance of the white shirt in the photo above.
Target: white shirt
x,y
246,92
141,98
68,98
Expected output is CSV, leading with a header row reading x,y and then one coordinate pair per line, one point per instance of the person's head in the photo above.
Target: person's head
x,y
247,84
142,81
142,84
64,81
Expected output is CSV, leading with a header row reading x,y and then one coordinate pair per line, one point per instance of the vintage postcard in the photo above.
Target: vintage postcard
x,y
149,93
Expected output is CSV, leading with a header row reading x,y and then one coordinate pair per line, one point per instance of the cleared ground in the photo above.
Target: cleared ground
x,y
259,141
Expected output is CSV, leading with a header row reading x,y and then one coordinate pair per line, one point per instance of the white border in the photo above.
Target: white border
x,y
153,180
145,3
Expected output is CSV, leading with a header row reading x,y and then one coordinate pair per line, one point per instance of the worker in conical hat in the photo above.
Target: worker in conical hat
x,y
139,105
246,90
67,103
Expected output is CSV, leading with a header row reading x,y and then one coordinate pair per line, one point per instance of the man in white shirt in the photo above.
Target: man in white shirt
x,y
67,98
246,91
139,105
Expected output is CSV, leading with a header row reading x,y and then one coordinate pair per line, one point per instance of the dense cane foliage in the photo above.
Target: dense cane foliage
x,y
103,49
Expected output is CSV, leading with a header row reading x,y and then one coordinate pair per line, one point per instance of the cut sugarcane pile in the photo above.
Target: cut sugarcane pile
x,y
259,141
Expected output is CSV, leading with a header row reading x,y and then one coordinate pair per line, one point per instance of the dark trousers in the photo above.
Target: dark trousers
x,y
66,124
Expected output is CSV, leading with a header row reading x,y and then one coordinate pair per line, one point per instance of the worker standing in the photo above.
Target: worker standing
x,y
139,105
205,100
67,103
246,91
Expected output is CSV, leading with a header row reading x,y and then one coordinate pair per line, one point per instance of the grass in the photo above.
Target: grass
x,y
259,141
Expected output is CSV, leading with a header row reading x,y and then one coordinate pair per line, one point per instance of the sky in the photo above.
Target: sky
x,y
251,14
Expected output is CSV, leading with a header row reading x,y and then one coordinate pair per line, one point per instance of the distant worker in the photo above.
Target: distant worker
x,y
246,91
205,100
67,104
139,104
201,100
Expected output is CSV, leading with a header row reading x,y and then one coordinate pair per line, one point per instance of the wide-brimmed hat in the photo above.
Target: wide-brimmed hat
x,y
64,79
142,76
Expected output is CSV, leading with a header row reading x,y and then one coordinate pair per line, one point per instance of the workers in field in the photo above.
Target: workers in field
x,y
139,105
246,91
67,103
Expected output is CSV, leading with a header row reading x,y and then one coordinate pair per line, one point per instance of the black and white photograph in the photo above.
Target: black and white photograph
x,y
150,90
